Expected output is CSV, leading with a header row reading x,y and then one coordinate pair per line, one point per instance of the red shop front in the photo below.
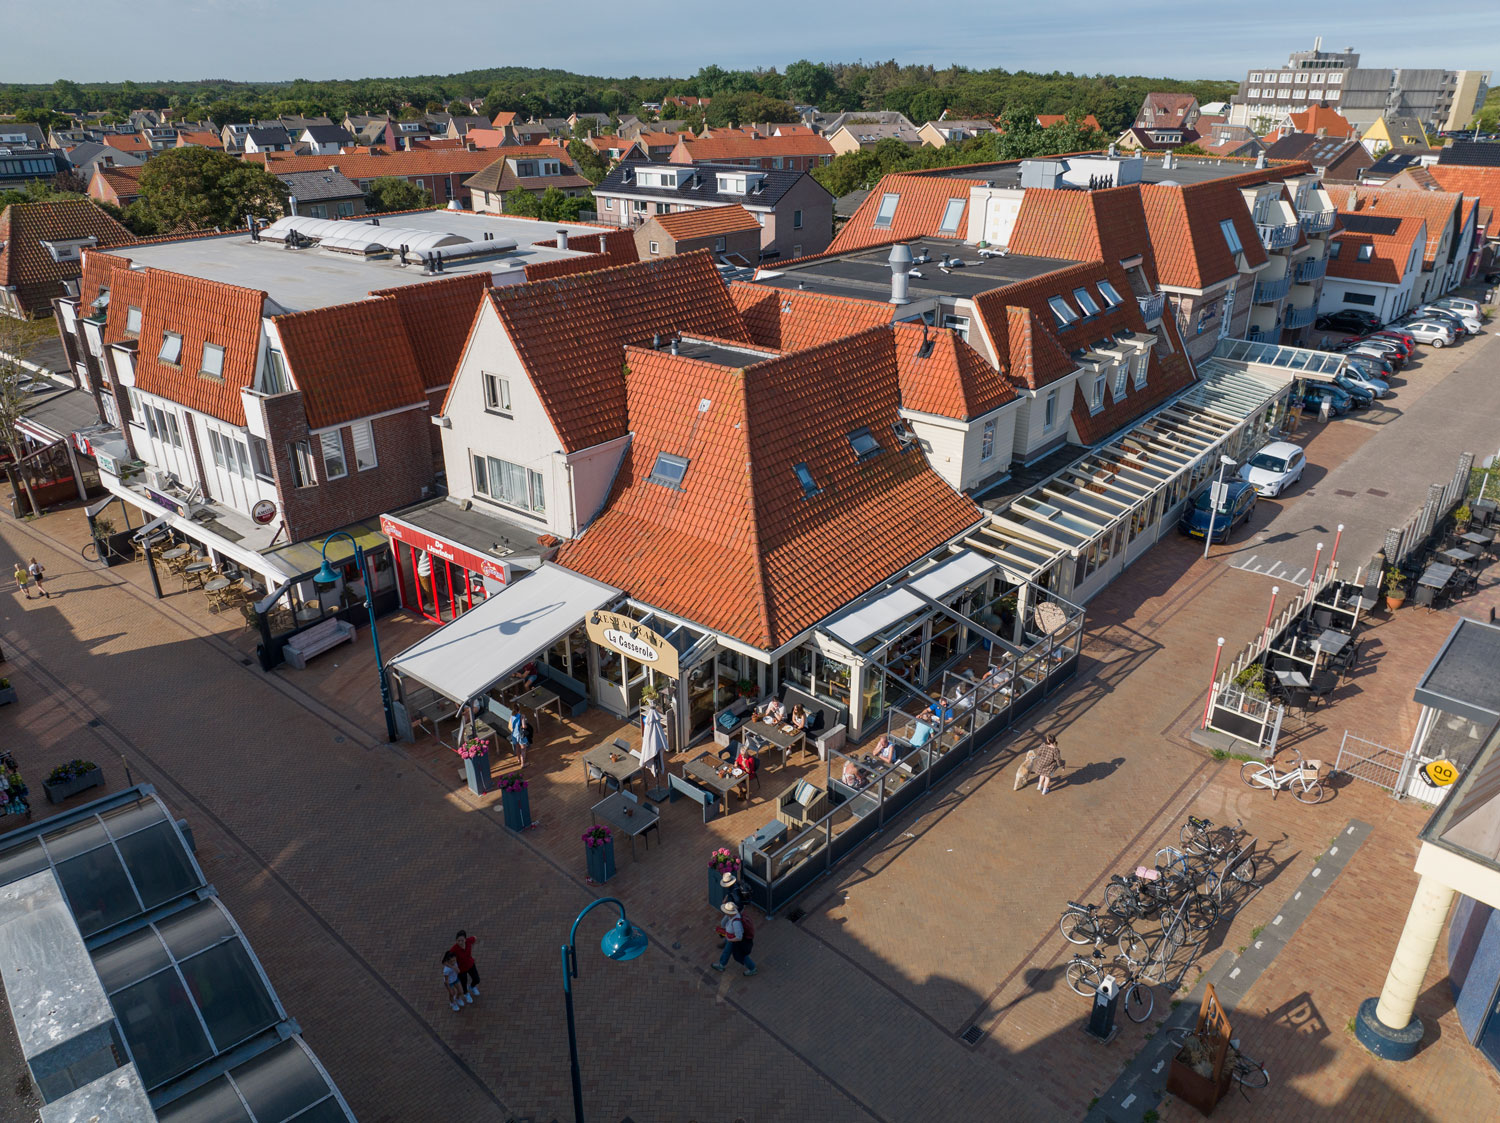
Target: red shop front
x,y
438,578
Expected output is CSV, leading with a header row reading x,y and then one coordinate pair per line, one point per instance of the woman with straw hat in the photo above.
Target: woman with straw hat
x,y
739,938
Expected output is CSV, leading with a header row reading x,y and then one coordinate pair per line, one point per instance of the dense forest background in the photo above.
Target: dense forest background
x,y
921,92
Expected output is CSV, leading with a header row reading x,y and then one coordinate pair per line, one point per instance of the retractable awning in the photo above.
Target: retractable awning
x,y
875,615
463,659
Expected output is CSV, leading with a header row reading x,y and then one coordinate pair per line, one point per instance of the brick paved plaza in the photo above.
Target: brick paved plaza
x,y
350,863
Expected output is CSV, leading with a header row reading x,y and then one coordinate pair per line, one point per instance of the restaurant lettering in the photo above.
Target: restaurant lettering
x,y
634,640
632,647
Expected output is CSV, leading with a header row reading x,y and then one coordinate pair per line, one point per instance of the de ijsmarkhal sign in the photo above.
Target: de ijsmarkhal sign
x,y
634,640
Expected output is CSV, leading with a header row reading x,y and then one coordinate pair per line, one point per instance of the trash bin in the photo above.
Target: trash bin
x,y
1102,1016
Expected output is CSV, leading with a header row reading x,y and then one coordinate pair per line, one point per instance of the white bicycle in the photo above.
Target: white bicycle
x,y
1301,778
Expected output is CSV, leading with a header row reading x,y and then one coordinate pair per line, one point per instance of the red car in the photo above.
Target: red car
x,y
1408,341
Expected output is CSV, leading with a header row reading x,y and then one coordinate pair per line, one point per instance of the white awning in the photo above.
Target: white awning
x,y
464,658
875,615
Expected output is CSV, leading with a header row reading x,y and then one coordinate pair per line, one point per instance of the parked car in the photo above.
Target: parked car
x,y
1400,346
1376,360
1347,319
1393,352
1237,503
1362,376
1339,403
1278,465
1361,396
1460,304
1430,332
1462,325
1397,334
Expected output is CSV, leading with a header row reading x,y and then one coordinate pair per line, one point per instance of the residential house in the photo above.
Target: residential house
x,y
530,132
730,233
233,135
614,148
1341,158
1374,264
459,126
582,124
1317,120
1396,160
294,124
441,172
940,134
854,138
1231,141
1394,131
1450,233
657,147
41,247
828,123
404,132
504,119
772,153
190,138
21,134
1047,120
1167,112
159,137
322,194
1141,138
118,185
795,211
262,140
91,154
322,140
132,143
533,169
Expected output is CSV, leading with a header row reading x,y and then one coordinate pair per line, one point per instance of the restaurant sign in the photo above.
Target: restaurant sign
x,y
1439,773
418,539
634,640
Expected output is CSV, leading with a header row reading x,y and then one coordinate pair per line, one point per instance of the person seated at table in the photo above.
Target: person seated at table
x,y
772,710
529,676
746,760
853,774
798,717
885,750
963,698
940,710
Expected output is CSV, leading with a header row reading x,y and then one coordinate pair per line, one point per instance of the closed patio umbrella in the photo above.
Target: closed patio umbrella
x,y
653,740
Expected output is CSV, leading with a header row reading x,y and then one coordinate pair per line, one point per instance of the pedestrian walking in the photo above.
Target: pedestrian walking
x,y
463,951
38,574
521,732
450,980
1047,761
733,890
739,938
23,581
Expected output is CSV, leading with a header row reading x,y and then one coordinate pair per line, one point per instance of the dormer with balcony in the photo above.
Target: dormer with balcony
x,y
739,183
1275,219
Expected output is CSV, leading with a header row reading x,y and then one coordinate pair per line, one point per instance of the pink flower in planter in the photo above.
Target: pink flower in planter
x,y
596,836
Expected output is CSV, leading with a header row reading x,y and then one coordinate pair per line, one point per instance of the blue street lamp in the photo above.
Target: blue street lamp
x,y
623,941
326,576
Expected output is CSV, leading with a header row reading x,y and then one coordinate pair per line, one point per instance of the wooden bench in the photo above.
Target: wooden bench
x,y
316,640
708,799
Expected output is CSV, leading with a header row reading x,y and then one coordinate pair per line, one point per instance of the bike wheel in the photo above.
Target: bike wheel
x,y
1245,871
1310,791
1194,838
90,550
1202,913
1119,900
1083,978
1139,1002
1077,927
1250,1072
1133,946
1255,774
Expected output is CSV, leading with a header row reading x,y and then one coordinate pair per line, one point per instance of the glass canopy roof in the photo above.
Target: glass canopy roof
x,y
285,1082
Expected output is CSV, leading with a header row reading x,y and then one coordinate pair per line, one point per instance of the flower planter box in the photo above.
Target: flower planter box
x,y
516,806
601,861
7,695
61,790
1188,1085
477,773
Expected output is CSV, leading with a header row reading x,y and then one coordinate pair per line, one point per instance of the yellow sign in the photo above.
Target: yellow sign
x,y
1439,773
633,640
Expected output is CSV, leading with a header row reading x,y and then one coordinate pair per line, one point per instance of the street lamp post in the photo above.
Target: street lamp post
x,y
326,576
1214,499
622,942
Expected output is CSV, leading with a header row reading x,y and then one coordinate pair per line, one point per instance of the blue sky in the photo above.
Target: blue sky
x,y
145,40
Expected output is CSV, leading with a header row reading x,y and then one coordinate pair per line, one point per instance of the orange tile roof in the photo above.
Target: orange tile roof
x,y
1084,226
1166,374
1316,117
707,222
740,548
127,142
1190,248
122,183
708,149
437,316
919,213
1479,182
951,379
1047,120
1387,265
502,119
202,140
787,320
352,360
659,140
25,262
373,165
615,247
568,332
1441,210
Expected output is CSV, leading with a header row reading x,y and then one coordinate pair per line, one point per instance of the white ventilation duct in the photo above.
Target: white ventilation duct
x,y
900,263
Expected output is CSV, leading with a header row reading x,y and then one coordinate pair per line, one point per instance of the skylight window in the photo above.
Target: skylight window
x,y
1366,252
1060,308
953,214
133,321
171,347
863,442
1086,302
213,360
1231,236
669,470
805,478
887,210
1109,293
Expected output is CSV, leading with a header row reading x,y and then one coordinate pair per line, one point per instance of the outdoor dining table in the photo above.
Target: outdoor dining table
x,y
538,698
1332,641
1436,576
1458,557
624,770
1291,678
782,738
705,770
624,814
1486,508
1479,539
176,552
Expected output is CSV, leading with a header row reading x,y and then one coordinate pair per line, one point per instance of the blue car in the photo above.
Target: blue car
x,y
1238,504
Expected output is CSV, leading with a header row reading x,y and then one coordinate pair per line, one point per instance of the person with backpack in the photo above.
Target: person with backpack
x,y
739,938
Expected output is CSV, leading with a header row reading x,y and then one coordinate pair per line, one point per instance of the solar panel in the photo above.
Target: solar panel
x,y
1371,223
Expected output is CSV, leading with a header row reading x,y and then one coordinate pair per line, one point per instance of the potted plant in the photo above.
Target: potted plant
x,y
1462,517
1252,681
71,778
720,862
1395,589
649,694
599,853
13,793
475,753
515,802
7,692
747,688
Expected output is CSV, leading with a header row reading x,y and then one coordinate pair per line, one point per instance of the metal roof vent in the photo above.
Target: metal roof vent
x,y
900,263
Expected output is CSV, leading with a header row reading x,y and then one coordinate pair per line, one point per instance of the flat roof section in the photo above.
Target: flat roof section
x,y
1184,170
1462,679
866,274
300,279
475,528
721,354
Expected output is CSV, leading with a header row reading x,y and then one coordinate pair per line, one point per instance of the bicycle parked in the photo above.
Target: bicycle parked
x,y
1302,778
1084,924
1085,974
1245,1069
99,549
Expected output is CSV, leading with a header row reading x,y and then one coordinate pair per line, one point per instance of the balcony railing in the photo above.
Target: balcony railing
x,y
1317,222
1151,307
1311,269
1278,236
1255,335
1269,292
1298,317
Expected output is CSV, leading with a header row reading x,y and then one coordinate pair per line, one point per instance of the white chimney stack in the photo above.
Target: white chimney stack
x,y
900,263
562,239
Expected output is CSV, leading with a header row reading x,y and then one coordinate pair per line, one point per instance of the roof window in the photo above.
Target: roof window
x,y
1333,249
1110,294
1366,252
133,321
805,478
171,347
1231,236
213,360
669,470
864,444
1086,302
1060,308
887,210
953,213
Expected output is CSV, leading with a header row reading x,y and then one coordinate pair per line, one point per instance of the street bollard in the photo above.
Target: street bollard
x,y
1102,1017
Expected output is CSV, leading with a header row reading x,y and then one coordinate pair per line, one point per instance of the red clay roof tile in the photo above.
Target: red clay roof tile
x,y
1389,254
707,222
708,149
951,379
27,265
437,316
794,321
919,211
352,360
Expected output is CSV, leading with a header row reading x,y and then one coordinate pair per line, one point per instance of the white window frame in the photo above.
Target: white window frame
x,y
796,220
299,455
335,462
1142,368
365,456
216,368
1231,236
535,500
1062,311
132,320
216,448
496,394
171,348
1049,412
260,460
652,246
987,441
885,214
1085,301
953,214
1096,397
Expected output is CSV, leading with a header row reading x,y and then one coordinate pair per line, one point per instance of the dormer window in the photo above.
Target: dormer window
x,y
1333,249
669,470
1086,302
171,348
864,444
1060,309
132,321
887,211
1366,253
1231,236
